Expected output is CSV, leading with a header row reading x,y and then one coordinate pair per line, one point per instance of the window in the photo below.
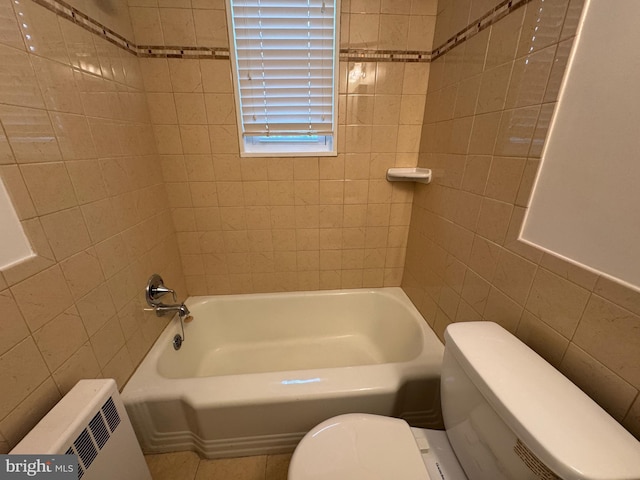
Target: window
x,y
285,61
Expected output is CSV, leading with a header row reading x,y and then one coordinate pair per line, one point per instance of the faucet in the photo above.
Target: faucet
x,y
155,290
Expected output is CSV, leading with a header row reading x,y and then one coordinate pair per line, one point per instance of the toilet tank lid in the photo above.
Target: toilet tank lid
x,y
559,423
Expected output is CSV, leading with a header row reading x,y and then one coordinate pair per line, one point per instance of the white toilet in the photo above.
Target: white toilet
x,y
508,415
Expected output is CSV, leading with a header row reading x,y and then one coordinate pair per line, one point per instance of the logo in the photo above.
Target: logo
x,y
45,467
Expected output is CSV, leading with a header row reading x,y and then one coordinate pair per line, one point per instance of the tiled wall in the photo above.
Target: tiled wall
x,y
257,224
487,112
77,153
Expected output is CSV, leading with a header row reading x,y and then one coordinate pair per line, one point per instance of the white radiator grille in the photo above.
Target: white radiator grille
x,y
98,431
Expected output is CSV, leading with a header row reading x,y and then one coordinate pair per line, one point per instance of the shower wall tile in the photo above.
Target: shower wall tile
x,y
13,326
147,25
281,216
79,160
9,31
612,392
506,81
30,134
546,341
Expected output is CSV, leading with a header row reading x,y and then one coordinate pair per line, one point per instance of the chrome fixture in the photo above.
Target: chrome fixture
x,y
156,290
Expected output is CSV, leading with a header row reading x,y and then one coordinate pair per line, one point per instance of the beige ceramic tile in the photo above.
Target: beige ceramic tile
x,y
21,420
211,28
618,294
146,25
569,271
58,339
542,25
107,341
155,73
40,305
162,108
185,75
82,272
572,18
484,133
601,384
190,108
57,84
528,179
195,139
502,310
35,264
504,178
120,367
18,85
21,371
178,27
73,134
363,31
475,291
493,88
421,32
514,276
30,134
81,364
516,131
9,31
66,232
476,173
13,328
100,220
96,308
49,186
529,78
610,335
543,339
494,218
504,39
17,190
557,302
216,76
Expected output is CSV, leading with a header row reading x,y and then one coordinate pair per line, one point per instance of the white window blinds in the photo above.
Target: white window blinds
x,y
285,57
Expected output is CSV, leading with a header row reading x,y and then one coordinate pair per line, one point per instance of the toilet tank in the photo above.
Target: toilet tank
x,y
511,415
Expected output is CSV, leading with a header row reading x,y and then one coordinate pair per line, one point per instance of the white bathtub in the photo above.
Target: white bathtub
x,y
256,372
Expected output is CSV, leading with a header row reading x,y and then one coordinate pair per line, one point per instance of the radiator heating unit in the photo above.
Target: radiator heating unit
x,y
91,422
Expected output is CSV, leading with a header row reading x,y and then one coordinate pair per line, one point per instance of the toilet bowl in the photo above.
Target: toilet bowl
x,y
508,415
362,446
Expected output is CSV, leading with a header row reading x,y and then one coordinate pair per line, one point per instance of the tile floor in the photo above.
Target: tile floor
x,y
189,466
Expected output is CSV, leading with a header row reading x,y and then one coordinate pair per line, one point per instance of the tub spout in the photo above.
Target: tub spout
x,y
162,310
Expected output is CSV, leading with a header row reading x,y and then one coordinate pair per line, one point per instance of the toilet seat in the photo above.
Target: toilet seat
x,y
358,447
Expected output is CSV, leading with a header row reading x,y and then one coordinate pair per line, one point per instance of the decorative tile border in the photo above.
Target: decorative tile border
x,y
355,55
62,9
182,52
494,15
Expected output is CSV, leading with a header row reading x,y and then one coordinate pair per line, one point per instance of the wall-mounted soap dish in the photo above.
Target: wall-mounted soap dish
x,y
414,174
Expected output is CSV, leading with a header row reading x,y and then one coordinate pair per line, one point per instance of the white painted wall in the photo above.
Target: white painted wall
x,y
14,246
585,205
